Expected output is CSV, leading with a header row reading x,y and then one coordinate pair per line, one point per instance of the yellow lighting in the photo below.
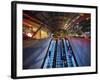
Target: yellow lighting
x,y
81,14
34,29
44,34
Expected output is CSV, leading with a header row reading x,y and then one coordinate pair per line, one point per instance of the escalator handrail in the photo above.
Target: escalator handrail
x,y
46,54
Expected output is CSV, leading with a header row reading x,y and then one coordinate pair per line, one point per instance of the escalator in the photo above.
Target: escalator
x,y
60,55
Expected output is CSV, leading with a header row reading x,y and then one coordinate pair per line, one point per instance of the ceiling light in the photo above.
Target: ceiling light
x,y
81,14
29,34
77,17
87,18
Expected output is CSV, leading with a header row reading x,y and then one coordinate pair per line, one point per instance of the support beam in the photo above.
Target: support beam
x,y
36,31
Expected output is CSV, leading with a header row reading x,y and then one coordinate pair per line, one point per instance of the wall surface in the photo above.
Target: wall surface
x,y
81,48
33,56
5,39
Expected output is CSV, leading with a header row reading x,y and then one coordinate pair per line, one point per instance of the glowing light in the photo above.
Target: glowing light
x,y
34,29
77,17
81,14
29,34
87,18
44,34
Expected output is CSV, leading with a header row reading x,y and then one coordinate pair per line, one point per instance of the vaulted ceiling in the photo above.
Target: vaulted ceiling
x,y
57,20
